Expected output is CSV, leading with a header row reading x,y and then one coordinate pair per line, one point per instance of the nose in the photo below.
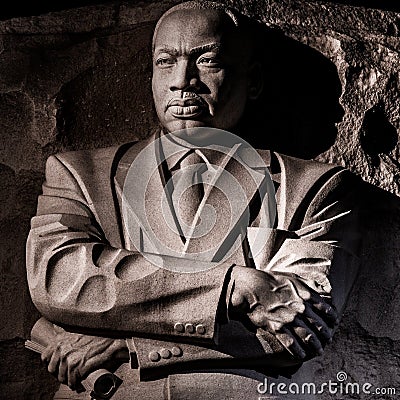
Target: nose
x,y
184,76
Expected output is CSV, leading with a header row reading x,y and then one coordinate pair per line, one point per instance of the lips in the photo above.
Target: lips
x,y
189,106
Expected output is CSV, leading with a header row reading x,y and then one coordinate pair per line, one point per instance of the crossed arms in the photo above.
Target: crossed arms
x,y
277,316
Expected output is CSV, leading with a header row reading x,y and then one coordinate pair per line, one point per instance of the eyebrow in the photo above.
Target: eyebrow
x,y
205,48
166,49
195,50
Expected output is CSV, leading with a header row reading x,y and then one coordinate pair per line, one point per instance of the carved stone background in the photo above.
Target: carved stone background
x,y
81,79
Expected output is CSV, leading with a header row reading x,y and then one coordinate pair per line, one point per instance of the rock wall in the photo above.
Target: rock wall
x,y
81,79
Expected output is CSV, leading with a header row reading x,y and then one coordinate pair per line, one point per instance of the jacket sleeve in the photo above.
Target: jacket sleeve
x,y
77,279
320,246
239,348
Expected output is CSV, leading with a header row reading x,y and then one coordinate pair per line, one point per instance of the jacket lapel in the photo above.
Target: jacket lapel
x,y
147,218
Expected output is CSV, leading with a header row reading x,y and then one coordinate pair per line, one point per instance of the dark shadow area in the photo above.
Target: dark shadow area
x,y
23,375
377,134
297,112
377,287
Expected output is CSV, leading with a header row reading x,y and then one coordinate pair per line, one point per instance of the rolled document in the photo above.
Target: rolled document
x,y
101,384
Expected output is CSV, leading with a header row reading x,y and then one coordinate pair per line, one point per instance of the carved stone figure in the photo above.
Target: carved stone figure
x,y
177,321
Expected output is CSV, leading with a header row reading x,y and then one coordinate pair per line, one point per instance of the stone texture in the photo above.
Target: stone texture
x,y
364,45
81,79
78,20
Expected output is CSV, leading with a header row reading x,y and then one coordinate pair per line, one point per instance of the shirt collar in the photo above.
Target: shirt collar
x,y
179,150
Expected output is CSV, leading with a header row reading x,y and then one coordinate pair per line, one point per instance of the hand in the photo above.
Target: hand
x,y
71,357
296,315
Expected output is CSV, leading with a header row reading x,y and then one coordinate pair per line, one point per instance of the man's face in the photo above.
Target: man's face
x,y
200,71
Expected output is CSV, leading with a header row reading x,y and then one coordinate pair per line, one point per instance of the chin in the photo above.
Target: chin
x,y
177,125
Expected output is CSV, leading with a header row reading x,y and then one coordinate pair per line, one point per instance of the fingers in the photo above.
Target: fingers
x,y
307,338
291,344
323,331
73,377
320,305
325,310
300,342
46,355
272,315
258,316
62,371
61,367
58,367
79,369
54,362
65,370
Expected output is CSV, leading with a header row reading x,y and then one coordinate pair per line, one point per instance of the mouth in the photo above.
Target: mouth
x,y
189,106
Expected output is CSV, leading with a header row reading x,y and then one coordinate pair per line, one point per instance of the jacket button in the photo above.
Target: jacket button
x,y
154,356
176,351
189,328
179,327
165,353
200,329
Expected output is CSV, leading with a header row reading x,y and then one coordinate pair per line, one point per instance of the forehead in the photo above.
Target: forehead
x,y
193,28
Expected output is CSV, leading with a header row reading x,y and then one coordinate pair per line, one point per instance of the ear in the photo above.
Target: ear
x,y
255,81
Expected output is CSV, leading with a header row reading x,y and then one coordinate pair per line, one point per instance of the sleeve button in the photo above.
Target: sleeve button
x,y
176,351
154,356
189,328
179,327
165,353
200,329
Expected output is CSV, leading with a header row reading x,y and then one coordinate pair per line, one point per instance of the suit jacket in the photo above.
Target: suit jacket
x,y
85,273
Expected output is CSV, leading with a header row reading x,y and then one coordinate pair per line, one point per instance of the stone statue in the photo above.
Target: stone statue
x,y
180,322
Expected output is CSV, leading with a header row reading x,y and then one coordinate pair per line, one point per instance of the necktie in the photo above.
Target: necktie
x,y
188,189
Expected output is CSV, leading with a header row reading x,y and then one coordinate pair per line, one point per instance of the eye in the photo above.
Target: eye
x,y
209,61
165,61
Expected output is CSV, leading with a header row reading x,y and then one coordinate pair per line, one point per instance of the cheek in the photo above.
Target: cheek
x,y
214,81
158,86
232,101
231,92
